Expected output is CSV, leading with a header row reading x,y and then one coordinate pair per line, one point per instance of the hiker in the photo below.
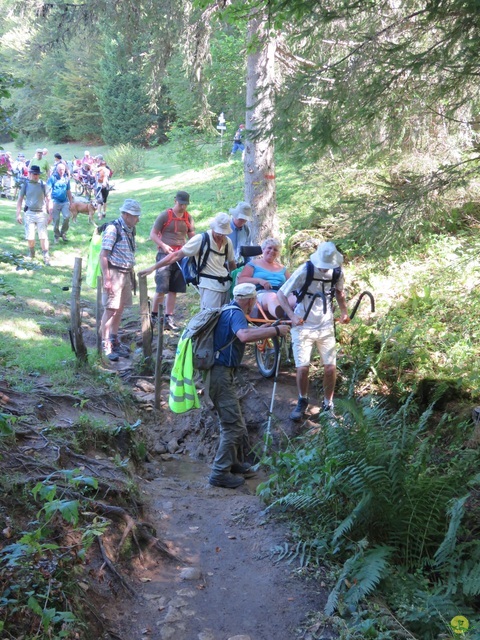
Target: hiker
x,y
117,259
61,199
241,234
215,278
318,328
103,173
233,330
267,274
169,232
238,141
36,217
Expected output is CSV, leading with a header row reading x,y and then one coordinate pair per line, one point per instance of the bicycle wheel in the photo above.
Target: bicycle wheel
x,y
78,188
266,354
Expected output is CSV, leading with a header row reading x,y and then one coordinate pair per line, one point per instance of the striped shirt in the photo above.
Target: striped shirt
x,y
123,254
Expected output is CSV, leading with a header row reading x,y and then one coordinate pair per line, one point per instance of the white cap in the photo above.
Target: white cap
x,y
245,290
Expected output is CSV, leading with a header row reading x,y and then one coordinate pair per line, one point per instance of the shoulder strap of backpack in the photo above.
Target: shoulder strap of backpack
x,y
205,250
300,294
170,218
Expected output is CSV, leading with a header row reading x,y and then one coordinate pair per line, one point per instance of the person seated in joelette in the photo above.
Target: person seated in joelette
x,y
268,275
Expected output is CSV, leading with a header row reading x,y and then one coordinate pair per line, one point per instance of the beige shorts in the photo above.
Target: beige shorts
x,y
305,339
35,220
210,299
120,295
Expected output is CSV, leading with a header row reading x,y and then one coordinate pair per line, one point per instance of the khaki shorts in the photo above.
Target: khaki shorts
x,y
35,220
210,299
120,295
305,339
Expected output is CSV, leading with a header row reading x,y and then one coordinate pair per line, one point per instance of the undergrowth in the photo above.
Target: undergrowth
x,y
375,493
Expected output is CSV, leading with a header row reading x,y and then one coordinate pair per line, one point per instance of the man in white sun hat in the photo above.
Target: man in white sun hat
x,y
230,335
215,249
241,234
321,274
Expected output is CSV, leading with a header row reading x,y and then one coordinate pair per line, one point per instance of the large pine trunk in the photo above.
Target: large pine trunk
x,y
260,188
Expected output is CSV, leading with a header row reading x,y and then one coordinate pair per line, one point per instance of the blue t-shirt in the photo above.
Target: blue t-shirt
x,y
230,321
59,187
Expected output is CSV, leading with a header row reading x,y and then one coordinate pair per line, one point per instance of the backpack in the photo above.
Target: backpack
x,y
303,291
200,331
192,267
171,218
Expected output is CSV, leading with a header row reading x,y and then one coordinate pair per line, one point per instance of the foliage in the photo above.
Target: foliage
x,y
371,491
35,569
126,159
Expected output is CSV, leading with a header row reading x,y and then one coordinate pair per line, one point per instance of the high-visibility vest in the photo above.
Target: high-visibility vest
x,y
183,394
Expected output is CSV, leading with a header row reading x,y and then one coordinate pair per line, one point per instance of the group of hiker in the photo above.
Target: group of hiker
x,y
39,203
299,301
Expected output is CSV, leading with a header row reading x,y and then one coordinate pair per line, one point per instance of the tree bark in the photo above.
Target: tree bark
x,y
260,188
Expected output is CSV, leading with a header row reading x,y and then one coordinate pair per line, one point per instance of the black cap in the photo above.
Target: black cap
x,y
34,169
182,197
57,156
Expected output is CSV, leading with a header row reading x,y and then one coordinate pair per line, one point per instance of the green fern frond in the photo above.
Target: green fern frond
x,y
366,573
446,549
346,525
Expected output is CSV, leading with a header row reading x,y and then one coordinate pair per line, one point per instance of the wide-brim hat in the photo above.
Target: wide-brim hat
x,y
182,197
243,211
245,290
132,207
34,169
221,224
326,256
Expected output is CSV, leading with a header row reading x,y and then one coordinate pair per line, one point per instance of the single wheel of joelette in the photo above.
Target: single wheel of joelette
x,y
266,354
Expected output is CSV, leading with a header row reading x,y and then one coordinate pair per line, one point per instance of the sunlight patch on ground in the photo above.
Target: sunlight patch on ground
x,y
26,330
190,178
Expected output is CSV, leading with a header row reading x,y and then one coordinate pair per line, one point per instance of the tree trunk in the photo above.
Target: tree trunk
x,y
260,189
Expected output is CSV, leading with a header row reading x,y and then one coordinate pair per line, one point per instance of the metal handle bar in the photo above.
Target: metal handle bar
x,y
319,294
357,304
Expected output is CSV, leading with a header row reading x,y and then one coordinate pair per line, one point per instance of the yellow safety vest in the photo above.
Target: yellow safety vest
x,y
183,394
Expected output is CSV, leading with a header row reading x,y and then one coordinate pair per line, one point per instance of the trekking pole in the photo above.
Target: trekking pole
x,y
272,401
357,304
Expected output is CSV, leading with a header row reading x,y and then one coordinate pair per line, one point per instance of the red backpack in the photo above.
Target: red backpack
x,y
171,218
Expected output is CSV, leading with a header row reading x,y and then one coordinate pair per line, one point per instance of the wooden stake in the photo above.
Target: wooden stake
x,y
159,358
76,330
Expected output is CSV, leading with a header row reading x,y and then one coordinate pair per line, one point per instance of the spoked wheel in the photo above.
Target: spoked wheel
x,y
267,352
79,188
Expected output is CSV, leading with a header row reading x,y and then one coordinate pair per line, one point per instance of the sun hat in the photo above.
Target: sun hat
x,y
243,211
39,151
326,256
100,158
131,206
245,290
21,155
221,224
182,197
34,169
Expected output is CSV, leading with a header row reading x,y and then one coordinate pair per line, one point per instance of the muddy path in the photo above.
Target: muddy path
x,y
224,582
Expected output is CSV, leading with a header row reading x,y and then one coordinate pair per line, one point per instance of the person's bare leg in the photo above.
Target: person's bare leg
x,y
329,379
170,300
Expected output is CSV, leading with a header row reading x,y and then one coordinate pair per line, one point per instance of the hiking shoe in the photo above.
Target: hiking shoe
x,y
109,352
327,407
243,468
56,239
122,349
299,412
64,237
154,320
169,323
226,480
46,259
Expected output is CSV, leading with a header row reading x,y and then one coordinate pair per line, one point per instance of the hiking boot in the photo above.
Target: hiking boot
x,y
154,319
109,352
122,349
64,237
46,259
56,239
169,323
243,468
31,253
299,412
327,407
226,480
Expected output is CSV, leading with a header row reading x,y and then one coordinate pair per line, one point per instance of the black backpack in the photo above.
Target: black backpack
x,y
192,266
303,291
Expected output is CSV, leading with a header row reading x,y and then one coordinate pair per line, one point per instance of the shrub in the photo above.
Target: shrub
x,y
125,159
